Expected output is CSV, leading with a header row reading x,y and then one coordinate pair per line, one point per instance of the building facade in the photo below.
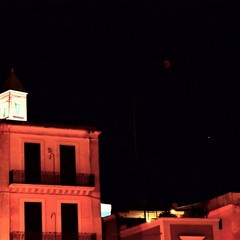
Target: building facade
x,y
227,208
222,222
162,228
174,229
49,176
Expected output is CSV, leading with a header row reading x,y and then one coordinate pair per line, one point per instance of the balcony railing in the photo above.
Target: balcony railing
x,y
51,178
51,236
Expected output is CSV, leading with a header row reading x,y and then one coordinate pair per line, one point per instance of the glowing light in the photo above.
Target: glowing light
x,y
172,211
105,209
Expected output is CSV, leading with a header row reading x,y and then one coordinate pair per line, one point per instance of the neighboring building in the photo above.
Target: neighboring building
x,y
222,222
49,176
174,229
164,228
110,228
227,208
146,215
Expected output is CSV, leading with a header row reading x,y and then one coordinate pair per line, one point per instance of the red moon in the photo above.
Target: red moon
x,y
166,64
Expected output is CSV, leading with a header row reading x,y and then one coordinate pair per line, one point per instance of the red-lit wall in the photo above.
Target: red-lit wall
x,y
13,196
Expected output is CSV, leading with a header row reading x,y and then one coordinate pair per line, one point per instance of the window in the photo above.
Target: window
x,y
67,165
33,220
69,219
17,109
5,109
32,162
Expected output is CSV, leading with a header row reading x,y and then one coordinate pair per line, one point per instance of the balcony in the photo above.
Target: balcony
x,y
51,178
51,236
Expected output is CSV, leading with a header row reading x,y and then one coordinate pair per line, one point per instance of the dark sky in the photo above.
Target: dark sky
x,y
83,62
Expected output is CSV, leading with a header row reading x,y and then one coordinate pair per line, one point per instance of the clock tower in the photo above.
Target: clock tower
x,y
13,99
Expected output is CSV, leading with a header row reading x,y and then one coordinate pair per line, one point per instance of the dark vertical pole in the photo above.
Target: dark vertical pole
x,y
197,185
134,129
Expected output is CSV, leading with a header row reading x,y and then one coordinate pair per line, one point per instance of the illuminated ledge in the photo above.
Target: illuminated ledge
x,y
192,237
46,189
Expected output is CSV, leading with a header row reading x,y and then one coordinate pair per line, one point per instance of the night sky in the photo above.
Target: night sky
x,y
169,133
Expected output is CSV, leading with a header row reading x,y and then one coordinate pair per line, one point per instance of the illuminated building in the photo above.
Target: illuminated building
x,y
227,208
221,222
116,227
174,229
49,176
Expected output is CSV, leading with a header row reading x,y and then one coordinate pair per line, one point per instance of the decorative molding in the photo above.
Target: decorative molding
x,y
46,189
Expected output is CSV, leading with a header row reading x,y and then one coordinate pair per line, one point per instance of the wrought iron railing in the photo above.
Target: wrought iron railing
x,y
53,178
51,236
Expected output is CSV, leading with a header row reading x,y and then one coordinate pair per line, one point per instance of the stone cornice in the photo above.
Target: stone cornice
x,y
50,189
48,130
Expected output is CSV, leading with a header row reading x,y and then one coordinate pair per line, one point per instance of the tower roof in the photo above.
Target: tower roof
x,y
12,83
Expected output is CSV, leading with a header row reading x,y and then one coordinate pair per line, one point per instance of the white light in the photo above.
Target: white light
x,y
105,209
172,211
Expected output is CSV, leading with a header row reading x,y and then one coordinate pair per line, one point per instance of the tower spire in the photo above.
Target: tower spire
x,y
13,99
